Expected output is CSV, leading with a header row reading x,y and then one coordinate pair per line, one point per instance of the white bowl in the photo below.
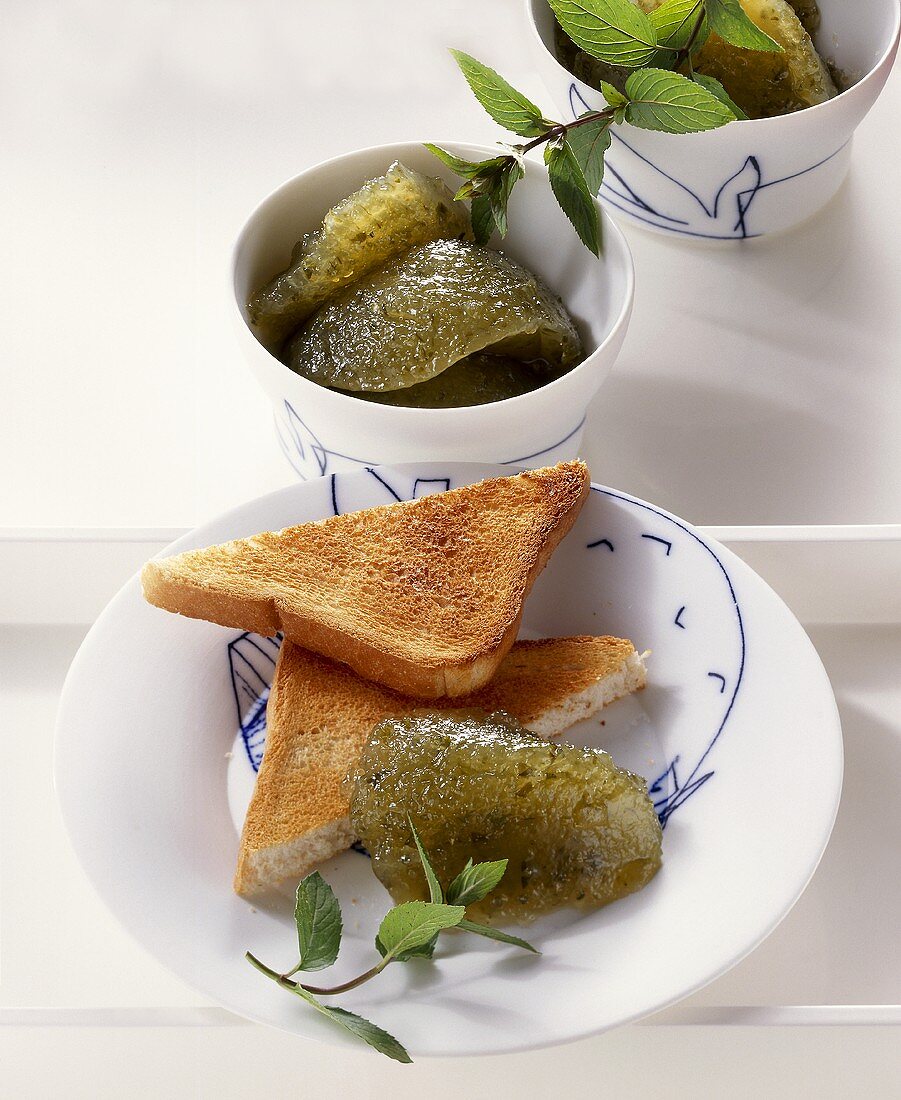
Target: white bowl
x,y
748,178
322,431
737,733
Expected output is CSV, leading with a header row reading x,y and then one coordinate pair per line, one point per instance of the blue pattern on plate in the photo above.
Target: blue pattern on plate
x,y
722,218
251,663
252,658
682,789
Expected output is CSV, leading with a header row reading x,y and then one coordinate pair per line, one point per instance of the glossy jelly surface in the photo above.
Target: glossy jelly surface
x,y
384,218
767,84
576,829
476,380
426,310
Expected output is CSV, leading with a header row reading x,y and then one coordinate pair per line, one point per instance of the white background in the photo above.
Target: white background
x,y
757,385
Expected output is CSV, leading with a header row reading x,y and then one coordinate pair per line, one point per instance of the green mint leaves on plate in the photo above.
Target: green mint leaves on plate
x,y
318,919
475,882
662,92
408,931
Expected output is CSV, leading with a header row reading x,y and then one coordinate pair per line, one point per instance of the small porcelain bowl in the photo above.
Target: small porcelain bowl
x,y
322,431
748,178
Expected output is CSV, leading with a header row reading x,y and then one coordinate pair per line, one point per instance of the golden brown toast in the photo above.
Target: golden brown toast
x,y
424,596
320,715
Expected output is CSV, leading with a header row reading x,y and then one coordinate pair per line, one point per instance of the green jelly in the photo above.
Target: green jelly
x,y
382,219
426,310
576,829
476,380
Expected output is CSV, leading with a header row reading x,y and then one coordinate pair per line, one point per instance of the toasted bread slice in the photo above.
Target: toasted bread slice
x,y
424,596
320,714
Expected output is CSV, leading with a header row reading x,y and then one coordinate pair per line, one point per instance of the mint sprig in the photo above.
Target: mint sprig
x,y
474,882
662,92
488,183
408,931
364,1029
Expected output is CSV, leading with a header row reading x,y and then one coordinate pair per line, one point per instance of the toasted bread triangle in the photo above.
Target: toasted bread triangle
x,y
320,714
424,596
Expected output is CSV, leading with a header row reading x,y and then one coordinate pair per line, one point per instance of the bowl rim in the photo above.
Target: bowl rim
x,y
400,413
853,91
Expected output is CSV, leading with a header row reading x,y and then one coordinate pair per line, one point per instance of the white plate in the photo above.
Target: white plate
x,y
737,733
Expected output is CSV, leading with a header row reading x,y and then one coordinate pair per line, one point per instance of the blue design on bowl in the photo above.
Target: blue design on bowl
x,y
303,449
310,457
726,211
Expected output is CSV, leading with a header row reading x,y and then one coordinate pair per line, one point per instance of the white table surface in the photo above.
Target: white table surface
x,y
758,385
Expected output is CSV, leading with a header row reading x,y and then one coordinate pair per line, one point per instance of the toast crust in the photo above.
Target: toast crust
x,y
320,714
423,596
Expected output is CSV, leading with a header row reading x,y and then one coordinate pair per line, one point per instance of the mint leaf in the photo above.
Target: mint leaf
x,y
494,188
727,18
376,1037
468,169
475,881
424,951
589,142
675,22
716,89
412,924
436,894
482,218
369,1032
571,191
613,95
467,190
499,193
488,183
495,934
364,1029
318,918
615,31
508,107
662,100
